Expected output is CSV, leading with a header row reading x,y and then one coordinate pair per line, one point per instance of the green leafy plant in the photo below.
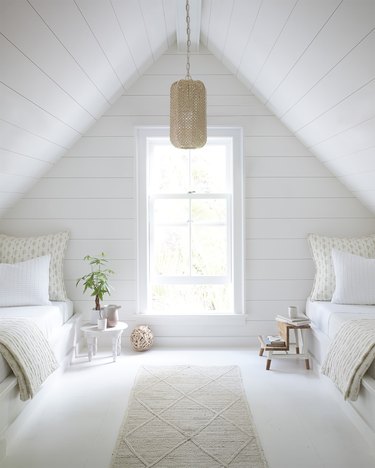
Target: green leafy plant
x,y
98,279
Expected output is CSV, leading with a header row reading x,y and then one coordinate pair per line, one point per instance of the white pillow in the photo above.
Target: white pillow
x,y
25,283
355,278
19,249
321,247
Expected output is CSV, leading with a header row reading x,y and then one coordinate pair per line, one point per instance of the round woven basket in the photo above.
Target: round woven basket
x,y
141,338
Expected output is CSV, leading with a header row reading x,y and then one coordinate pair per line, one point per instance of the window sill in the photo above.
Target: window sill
x,y
200,319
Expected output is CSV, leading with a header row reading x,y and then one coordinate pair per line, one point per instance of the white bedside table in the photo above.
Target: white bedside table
x,y
92,333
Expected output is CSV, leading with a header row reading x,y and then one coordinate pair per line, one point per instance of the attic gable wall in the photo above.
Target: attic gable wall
x,y
92,192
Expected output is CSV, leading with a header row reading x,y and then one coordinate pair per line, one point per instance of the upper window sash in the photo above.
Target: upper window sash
x,y
189,222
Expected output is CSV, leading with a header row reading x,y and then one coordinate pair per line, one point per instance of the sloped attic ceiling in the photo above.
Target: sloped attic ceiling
x,y
312,63
64,62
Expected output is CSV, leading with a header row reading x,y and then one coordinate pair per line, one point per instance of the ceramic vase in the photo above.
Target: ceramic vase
x,y
111,313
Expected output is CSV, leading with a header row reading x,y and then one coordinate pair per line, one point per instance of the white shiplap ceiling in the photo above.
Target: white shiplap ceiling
x,y
64,62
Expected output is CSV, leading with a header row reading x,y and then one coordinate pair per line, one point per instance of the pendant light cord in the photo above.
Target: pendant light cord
x,y
188,42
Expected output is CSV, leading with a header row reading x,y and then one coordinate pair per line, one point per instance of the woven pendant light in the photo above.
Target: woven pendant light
x,y
188,121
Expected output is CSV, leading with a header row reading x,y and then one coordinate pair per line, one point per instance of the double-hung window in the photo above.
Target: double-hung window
x,y
190,224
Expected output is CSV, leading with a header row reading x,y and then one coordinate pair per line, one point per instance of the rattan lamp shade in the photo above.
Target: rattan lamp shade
x,y
188,122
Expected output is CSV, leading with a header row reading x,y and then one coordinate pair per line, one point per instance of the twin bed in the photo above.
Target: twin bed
x,y
341,308
326,321
37,322
57,323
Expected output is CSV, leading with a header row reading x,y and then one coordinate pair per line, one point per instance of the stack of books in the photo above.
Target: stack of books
x,y
274,340
300,320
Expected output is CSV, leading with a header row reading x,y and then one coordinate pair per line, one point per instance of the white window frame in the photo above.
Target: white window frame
x,y
235,213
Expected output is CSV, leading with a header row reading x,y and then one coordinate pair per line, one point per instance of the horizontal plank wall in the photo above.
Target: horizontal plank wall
x,y
289,193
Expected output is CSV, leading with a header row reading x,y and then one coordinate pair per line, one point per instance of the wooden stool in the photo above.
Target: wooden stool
x,y
300,353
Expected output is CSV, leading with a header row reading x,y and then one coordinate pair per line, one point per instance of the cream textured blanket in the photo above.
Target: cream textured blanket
x,y
350,355
28,354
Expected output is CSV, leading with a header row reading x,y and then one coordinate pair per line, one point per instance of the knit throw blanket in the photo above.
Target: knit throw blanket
x,y
28,354
350,355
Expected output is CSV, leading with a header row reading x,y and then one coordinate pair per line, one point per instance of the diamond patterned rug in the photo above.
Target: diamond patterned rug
x,y
188,417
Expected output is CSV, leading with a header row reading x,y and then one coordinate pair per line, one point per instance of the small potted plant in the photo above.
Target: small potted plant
x,y
98,282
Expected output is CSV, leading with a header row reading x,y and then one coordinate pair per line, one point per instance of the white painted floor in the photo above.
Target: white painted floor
x,y
73,422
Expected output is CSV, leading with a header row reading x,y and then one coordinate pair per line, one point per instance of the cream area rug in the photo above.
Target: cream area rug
x,y
188,417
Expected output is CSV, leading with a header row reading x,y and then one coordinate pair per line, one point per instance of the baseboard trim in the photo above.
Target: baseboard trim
x,y
180,342
206,341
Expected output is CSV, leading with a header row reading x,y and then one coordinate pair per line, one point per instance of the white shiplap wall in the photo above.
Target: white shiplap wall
x,y
289,193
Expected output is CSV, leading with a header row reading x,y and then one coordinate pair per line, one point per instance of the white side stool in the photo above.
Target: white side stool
x,y
92,333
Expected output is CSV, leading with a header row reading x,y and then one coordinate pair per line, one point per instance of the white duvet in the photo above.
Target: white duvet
x,y
329,317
